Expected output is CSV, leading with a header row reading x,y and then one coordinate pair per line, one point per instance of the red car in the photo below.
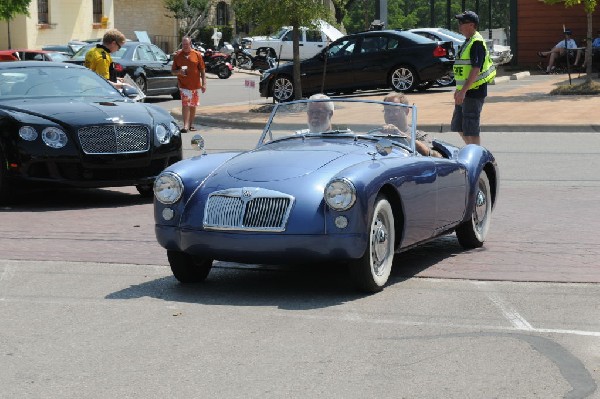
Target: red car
x,y
32,55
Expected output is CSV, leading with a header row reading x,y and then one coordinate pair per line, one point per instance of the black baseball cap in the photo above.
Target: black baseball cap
x,y
468,16
568,32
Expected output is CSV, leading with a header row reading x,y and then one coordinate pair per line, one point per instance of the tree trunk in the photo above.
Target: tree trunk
x,y
296,50
588,50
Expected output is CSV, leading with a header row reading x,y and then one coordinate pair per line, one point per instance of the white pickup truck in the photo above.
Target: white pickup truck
x,y
312,41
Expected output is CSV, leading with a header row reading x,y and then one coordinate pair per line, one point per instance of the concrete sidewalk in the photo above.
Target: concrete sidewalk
x,y
519,102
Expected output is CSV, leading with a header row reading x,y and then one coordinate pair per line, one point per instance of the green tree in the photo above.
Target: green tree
x,y
190,13
9,9
589,6
269,15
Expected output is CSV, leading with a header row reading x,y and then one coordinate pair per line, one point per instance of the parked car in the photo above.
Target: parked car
x,y
63,124
498,53
70,48
350,193
9,55
312,41
41,55
403,61
146,63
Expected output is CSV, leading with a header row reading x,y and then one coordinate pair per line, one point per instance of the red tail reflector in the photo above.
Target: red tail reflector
x,y
119,67
440,52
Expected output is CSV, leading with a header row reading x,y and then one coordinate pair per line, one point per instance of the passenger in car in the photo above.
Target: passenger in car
x,y
397,123
319,114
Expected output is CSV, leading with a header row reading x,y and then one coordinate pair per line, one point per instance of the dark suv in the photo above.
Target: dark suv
x,y
400,60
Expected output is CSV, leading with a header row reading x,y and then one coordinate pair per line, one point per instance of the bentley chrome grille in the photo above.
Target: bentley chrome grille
x,y
249,209
114,139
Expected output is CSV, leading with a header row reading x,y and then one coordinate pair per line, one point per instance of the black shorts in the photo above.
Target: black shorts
x,y
466,116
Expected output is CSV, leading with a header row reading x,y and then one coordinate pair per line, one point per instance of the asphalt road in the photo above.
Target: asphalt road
x,y
90,309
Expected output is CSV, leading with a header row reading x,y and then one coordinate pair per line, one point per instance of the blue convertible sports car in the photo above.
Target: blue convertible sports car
x,y
347,191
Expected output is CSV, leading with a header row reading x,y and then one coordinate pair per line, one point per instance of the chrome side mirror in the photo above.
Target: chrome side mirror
x,y
197,142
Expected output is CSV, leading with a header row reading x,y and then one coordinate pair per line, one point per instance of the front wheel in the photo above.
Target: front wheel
x,y
403,78
371,272
188,268
472,233
283,89
145,190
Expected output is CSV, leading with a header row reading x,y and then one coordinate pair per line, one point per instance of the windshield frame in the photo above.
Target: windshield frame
x,y
266,137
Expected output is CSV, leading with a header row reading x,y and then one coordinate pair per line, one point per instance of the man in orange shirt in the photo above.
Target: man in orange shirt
x,y
188,65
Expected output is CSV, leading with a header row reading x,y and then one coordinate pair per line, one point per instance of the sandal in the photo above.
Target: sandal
x,y
192,128
184,130
539,53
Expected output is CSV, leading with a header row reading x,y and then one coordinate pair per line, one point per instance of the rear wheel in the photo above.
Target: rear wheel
x,y
403,78
371,272
140,80
283,89
223,72
473,232
188,268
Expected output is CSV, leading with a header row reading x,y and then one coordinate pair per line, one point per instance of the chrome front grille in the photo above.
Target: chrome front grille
x,y
250,209
114,139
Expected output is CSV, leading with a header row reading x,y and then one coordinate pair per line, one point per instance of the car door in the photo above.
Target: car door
x,y
286,48
164,79
372,61
451,192
315,42
153,69
336,60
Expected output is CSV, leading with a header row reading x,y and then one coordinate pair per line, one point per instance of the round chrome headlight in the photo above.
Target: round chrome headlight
x,y
28,133
174,128
54,137
162,134
168,188
340,194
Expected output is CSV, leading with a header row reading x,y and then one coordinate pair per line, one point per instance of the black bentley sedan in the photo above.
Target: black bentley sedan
x,y
400,60
63,124
146,63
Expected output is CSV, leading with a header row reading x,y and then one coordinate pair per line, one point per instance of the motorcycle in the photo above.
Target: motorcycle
x,y
243,58
215,62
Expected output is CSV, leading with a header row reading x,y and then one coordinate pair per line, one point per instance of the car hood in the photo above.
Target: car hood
x,y
264,166
73,112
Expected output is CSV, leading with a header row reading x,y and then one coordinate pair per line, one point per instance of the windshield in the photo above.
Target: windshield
x,y
40,81
453,34
342,118
279,34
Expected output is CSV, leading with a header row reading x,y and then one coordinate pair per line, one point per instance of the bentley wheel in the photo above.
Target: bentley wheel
x,y
188,268
283,89
472,233
371,272
145,190
141,82
403,78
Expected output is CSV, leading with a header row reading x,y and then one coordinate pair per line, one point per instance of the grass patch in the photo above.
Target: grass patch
x,y
585,88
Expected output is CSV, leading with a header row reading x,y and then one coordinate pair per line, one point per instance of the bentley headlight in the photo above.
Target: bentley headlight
x,y
162,134
168,188
174,128
54,137
340,194
28,133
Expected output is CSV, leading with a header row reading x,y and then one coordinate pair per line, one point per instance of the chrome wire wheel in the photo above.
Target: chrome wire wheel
x,y
283,89
403,79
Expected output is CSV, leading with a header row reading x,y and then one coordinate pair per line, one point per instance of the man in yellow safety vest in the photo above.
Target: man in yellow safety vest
x,y
473,69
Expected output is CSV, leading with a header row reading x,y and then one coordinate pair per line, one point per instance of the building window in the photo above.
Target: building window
x,y
97,11
222,14
43,12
